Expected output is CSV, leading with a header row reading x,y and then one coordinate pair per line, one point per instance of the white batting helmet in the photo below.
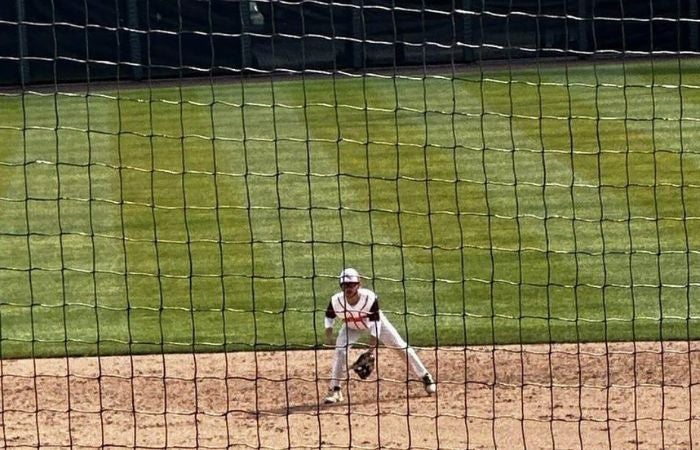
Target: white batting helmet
x,y
349,275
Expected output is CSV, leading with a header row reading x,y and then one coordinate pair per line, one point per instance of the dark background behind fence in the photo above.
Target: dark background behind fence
x,y
83,40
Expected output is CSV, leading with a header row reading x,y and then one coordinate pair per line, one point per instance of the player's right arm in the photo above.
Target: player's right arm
x,y
329,322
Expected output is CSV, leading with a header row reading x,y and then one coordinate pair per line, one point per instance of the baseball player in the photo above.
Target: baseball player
x,y
358,309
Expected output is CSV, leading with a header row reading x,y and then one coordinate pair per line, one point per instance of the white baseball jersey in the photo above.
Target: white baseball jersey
x,y
359,316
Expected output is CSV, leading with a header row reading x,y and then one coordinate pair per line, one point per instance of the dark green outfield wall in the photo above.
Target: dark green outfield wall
x,y
77,40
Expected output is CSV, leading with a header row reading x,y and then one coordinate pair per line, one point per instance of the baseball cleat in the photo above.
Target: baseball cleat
x,y
429,384
334,396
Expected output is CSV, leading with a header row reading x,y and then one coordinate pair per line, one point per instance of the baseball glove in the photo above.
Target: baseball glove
x,y
364,365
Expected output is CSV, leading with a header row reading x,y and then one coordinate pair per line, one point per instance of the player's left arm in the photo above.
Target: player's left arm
x,y
375,325
329,321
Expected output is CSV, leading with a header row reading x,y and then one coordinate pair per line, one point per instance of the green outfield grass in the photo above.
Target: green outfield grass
x,y
523,205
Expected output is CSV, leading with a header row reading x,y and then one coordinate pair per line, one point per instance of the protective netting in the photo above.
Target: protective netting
x,y
182,181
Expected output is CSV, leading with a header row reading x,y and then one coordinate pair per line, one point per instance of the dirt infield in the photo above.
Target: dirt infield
x,y
618,396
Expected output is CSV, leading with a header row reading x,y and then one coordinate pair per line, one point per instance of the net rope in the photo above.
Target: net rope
x,y
182,182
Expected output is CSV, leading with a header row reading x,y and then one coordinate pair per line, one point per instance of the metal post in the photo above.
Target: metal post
x,y
24,73
246,52
694,44
134,39
582,29
467,31
357,34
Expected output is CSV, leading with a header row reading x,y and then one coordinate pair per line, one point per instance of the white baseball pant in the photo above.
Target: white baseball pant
x,y
388,336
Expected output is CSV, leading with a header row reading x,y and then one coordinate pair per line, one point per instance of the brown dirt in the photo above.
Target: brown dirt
x,y
618,396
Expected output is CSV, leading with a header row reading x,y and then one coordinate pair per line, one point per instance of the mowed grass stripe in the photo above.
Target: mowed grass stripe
x,y
528,265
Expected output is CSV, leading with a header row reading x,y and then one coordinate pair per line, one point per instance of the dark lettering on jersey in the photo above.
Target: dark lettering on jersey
x,y
358,320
